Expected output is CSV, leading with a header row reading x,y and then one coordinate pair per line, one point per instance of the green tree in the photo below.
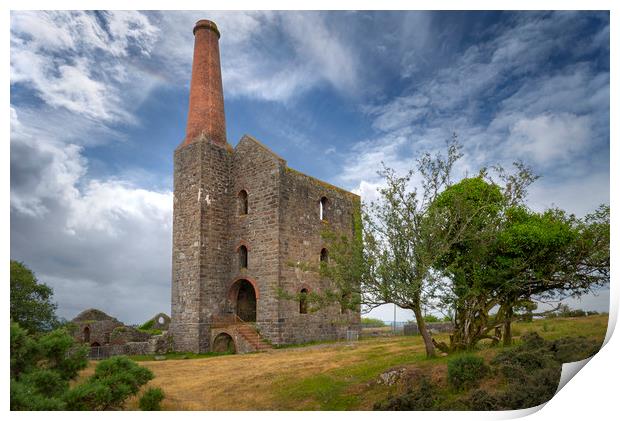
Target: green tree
x,y
404,238
31,300
43,365
509,256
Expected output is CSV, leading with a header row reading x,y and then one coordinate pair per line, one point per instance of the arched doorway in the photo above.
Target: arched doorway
x,y
243,297
224,343
86,334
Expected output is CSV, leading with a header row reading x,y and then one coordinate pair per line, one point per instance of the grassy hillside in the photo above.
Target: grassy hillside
x,y
325,376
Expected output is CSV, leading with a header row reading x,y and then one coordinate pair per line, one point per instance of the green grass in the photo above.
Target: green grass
x,y
347,388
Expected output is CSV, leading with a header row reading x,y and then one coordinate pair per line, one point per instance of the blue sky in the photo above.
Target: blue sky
x,y
99,102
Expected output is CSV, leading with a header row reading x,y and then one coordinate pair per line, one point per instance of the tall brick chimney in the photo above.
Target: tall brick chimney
x,y
205,119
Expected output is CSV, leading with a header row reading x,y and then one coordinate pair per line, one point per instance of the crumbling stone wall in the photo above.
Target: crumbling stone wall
x,y
124,334
160,321
99,326
301,241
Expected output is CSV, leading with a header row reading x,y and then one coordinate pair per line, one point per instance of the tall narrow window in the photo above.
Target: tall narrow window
x,y
86,334
243,202
324,256
323,208
303,301
243,257
345,302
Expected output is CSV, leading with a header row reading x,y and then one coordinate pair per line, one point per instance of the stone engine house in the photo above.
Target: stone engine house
x,y
242,221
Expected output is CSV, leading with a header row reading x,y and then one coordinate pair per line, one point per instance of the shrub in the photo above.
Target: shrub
x,y
466,371
568,350
481,400
421,398
151,399
531,371
370,322
114,381
146,325
430,318
42,368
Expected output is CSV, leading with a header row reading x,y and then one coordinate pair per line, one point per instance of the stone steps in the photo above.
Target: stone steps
x,y
253,338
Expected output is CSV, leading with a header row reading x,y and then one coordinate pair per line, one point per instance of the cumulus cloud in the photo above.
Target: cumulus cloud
x,y
98,243
505,102
265,55
549,138
72,60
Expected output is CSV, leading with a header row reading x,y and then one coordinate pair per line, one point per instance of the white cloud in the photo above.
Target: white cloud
x,y
71,59
265,55
552,117
547,139
100,242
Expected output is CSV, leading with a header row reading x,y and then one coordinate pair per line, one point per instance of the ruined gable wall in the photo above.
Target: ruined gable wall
x,y
300,241
257,170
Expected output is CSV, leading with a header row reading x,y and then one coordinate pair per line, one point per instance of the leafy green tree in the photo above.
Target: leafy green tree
x,y
43,365
511,256
405,236
475,206
31,304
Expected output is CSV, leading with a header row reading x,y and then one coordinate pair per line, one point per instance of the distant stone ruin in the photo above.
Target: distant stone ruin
x,y
107,336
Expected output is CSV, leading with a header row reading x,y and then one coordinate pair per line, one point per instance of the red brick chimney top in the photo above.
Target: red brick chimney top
x,y
205,117
204,23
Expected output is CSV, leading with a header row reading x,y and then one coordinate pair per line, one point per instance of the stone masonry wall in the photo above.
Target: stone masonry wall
x,y
282,226
200,259
256,170
301,241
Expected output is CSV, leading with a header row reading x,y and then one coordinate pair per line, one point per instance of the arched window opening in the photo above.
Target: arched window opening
x,y
324,256
243,257
323,208
303,301
243,202
86,334
344,302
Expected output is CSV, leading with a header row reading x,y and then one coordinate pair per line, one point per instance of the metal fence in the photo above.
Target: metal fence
x,y
352,335
98,352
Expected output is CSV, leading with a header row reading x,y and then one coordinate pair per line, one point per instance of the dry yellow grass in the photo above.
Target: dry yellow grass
x,y
327,376
253,381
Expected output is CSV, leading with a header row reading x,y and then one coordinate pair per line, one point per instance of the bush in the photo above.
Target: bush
x,y
146,325
422,398
567,350
370,322
115,380
42,368
466,371
532,370
430,318
481,400
151,399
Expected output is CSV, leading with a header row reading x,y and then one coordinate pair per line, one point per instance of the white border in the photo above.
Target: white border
x,y
591,395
